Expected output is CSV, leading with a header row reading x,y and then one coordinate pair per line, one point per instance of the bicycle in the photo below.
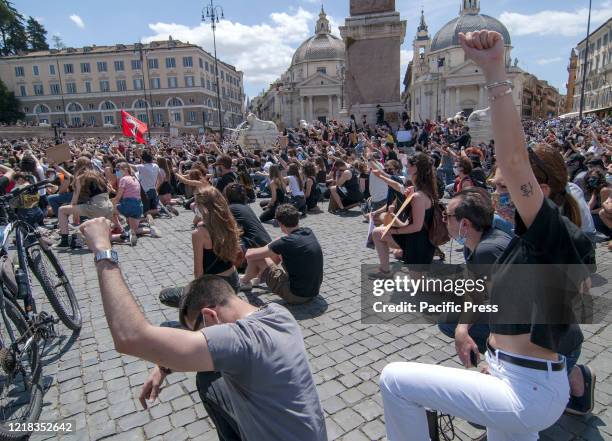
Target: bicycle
x,y
23,328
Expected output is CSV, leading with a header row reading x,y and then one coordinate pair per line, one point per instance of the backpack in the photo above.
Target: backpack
x,y
438,233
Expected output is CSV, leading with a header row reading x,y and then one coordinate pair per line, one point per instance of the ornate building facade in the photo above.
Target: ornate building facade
x,y
440,81
312,87
173,83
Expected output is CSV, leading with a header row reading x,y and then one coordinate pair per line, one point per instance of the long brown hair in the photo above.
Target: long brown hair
x,y
425,179
549,168
276,177
91,178
220,223
164,164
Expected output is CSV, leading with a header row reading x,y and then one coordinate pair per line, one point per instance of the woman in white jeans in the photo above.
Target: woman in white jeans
x,y
527,388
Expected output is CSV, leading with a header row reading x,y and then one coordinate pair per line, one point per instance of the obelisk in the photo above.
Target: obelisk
x,y
373,36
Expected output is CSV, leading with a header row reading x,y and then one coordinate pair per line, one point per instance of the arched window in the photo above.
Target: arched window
x,y
42,108
174,102
74,107
108,105
140,104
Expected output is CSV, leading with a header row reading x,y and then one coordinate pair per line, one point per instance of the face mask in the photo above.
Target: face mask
x,y
504,199
460,238
118,174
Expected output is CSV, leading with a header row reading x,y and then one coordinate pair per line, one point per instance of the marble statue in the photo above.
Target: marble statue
x,y
255,133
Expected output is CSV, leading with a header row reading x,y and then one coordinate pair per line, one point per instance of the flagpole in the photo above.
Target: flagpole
x,y
586,63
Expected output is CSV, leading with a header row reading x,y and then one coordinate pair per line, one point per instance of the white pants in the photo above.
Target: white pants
x,y
514,402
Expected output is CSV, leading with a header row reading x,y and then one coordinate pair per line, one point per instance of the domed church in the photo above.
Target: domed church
x,y
440,81
311,89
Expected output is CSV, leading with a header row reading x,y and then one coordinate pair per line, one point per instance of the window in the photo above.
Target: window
x,y
85,68
202,82
88,86
19,72
159,118
104,86
38,89
191,116
108,105
187,61
35,70
170,63
143,117
322,70
91,120
175,102
136,65
208,85
153,63
605,40
598,43
201,63
22,90
121,85
91,106
58,108
223,75
206,64
54,88
172,83
189,82
177,116
119,66
68,69
102,66
109,119
52,69
71,88
140,104
138,84
154,83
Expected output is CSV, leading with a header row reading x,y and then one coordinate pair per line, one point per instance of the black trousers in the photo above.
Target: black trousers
x,y
215,397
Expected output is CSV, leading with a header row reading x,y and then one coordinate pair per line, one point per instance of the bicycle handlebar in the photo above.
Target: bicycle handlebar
x,y
26,189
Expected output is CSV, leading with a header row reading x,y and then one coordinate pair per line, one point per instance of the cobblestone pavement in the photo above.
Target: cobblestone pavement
x,y
89,382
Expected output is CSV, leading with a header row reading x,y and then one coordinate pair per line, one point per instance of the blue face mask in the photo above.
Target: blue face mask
x,y
118,174
504,199
460,238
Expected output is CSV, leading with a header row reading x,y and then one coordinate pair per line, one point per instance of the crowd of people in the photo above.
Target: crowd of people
x,y
541,193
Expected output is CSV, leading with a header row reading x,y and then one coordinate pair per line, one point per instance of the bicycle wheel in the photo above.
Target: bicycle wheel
x,y
21,389
55,284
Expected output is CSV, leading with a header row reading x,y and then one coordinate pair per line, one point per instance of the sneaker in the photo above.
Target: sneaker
x,y
133,239
583,405
171,296
172,210
75,243
154,232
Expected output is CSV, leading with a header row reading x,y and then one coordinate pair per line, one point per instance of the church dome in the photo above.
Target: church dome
x,y
470,20
321,46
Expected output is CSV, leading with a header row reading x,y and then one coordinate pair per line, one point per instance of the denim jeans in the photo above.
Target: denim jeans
x,y
59,199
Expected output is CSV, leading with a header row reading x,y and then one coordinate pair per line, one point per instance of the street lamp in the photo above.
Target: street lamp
x,y
586,62
212,12
145,79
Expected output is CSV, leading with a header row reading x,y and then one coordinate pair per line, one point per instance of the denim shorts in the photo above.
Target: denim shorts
x,y
130,207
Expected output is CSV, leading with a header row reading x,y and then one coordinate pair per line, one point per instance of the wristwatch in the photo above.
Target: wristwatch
x,y
110,255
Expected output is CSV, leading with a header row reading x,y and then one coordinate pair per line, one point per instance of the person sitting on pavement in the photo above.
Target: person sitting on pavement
x,y
292,266
225,175
347,191
215,241
253,373
278,190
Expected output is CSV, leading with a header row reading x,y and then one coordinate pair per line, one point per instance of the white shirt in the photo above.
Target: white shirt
x,y
378,188
294,186
585,214
147,174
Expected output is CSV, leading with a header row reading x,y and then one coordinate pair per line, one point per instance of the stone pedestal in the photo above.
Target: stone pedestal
x,y
373,35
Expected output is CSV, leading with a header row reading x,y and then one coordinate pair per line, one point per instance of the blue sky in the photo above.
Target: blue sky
x,y
260,37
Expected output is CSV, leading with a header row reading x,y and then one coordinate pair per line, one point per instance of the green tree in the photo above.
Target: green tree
x,y
9,106
13,36
37,35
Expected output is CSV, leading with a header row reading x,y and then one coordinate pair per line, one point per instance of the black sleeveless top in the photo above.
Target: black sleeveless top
x,y
214,265
352,185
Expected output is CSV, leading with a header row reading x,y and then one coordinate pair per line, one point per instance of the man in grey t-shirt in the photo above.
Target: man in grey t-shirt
x,y
262,387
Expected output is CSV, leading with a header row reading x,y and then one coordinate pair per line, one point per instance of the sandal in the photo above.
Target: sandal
x,y
380,274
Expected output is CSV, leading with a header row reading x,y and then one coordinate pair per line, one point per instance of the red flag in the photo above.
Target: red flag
x,y
133,127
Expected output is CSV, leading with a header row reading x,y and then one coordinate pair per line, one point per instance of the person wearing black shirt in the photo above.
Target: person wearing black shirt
x,y
253,232
380,115
465,139
223,167
527,388
292,266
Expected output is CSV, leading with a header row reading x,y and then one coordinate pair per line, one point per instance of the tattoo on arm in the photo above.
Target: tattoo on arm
x,y
527,189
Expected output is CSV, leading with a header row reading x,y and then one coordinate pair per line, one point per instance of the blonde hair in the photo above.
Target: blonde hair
x,y
220,223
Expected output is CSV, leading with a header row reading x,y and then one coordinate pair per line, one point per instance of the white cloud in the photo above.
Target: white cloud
x,y
77,21
545,61
262,51
549,22
405,58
